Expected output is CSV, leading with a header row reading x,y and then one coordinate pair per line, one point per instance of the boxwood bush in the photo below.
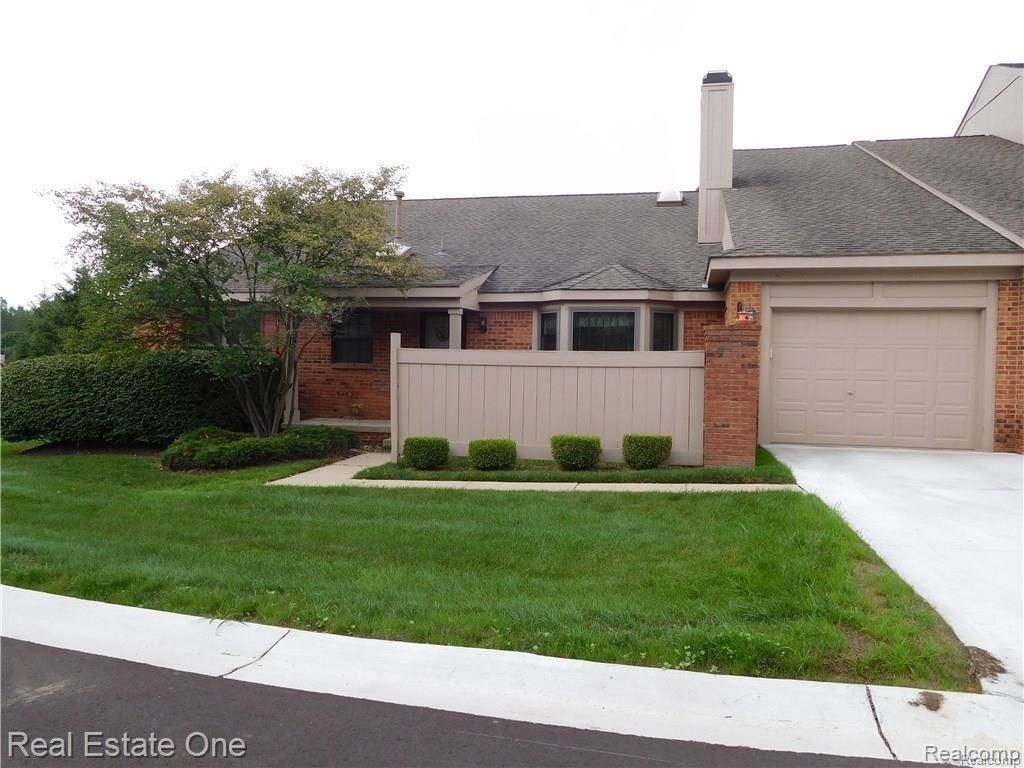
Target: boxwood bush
x,y
216,448
425,452
646,451
576,452
492,454
149,398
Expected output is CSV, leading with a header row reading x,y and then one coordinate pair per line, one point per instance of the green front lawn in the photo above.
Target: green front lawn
x,y
768,469
771,584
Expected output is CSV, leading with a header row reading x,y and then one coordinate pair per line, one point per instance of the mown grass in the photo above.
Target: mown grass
x,y
767,469
771,584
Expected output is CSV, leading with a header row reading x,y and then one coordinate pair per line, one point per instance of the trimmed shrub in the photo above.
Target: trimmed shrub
x,y
576,452
215,448
492,454
425,452
646,451
149,398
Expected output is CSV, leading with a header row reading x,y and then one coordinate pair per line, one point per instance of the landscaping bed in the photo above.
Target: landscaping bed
x,y
770,584
768,469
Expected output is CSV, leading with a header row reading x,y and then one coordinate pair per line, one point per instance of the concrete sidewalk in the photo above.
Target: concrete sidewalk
x,y
788,715
343,474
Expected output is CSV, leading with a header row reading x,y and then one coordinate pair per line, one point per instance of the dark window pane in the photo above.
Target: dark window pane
x,y
603,331
352,338
663,337
549,331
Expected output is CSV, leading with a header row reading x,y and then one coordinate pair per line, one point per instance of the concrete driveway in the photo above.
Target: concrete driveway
x,y
949,522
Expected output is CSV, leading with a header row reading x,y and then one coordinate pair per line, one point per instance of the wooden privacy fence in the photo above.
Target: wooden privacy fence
x,y
529,396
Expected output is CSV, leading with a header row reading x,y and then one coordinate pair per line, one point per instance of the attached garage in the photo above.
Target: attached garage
x,y
895,372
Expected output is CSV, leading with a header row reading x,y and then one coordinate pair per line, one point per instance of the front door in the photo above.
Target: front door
x,y
434,330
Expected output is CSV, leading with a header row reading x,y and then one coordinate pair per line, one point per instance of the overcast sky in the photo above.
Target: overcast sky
x,y
475,98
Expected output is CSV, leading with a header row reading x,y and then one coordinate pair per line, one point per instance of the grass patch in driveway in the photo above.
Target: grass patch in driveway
x,y
768,469
769,584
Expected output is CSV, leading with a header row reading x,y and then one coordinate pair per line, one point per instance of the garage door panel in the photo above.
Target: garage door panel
x,y
876,377
958,361
950,426
790,423
829,391
792,358
830,423
871,392
791,391
909,392
909,426
868,359
955,394
915,360
873,424
958,327
830,358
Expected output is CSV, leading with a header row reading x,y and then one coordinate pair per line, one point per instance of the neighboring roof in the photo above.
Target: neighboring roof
x,y
840,201
598,242
985,173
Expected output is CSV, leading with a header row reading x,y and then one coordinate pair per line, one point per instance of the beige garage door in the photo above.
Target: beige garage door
x,y
866,377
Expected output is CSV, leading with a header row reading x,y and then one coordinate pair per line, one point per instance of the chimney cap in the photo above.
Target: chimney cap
x,y
717,76
399,194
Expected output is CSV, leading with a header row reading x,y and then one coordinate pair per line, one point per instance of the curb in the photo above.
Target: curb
x,y
792,715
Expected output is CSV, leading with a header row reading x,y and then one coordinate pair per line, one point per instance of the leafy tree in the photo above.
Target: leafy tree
x,y
12,324
252,269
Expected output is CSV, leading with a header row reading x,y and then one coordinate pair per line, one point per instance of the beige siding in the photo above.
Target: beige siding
x,y
530,396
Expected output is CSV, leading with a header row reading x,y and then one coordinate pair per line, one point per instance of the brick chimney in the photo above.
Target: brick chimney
x,y
715,155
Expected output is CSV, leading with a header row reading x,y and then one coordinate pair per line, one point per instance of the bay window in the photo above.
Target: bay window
x,y
603,331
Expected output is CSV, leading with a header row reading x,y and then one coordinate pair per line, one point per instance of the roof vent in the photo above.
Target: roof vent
x,y
670,197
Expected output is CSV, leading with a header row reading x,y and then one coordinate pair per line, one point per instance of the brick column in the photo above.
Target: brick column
x,y
732,364
1009,421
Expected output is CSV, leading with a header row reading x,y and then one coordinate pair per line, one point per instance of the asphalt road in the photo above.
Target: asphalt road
x,y
48,692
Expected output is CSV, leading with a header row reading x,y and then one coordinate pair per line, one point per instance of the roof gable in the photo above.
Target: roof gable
x,y
611,277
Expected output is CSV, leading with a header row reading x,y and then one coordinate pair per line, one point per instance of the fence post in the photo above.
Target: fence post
x,y
396,344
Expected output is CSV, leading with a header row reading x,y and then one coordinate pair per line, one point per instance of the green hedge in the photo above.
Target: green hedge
x,y
150,398
646,451
216,448
576,452
492,454
425,452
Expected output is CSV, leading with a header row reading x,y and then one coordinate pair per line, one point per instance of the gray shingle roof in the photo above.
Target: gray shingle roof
x,y
447,275
612,277
985,173
612,240
840,201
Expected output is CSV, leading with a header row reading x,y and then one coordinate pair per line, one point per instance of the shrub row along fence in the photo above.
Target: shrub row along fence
x,y
528,397
150,398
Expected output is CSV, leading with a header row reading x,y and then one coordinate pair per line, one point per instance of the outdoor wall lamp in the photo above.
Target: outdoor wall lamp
x,y
483,323
747,314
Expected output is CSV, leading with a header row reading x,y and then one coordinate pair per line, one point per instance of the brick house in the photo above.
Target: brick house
x,y
863,294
